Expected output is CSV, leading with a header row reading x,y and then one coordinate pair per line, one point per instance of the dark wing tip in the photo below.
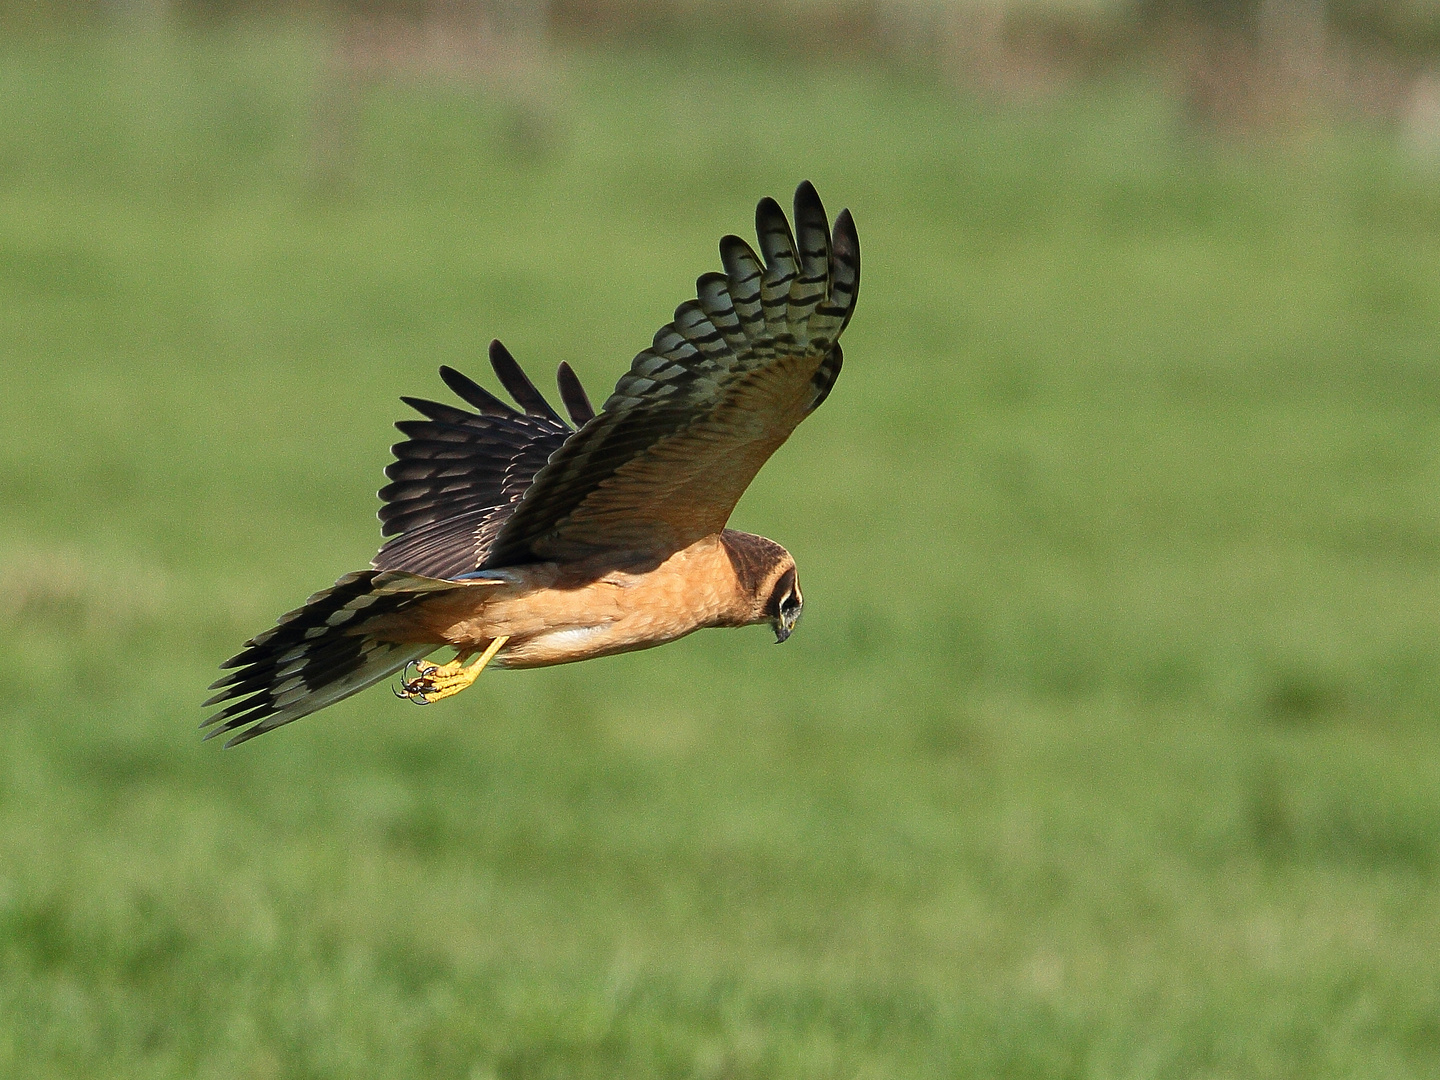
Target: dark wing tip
x,y
573,396
244,736
845,263
433,410
737,244
807,200
512,376
811,221
472,393
501,357
766,210
846,238
769,217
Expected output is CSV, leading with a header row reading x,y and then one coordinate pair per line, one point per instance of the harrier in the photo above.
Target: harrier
x,y
518,540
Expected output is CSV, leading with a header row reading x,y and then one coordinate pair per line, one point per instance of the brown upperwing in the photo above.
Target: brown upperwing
x,y
701,410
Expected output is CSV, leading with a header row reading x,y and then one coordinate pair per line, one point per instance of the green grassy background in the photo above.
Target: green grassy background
x,y
1108,746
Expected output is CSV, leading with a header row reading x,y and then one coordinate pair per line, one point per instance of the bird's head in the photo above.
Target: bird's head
x,y
785,604
767,588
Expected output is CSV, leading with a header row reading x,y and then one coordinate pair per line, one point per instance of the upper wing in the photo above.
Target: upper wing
x,y
459,474
689,426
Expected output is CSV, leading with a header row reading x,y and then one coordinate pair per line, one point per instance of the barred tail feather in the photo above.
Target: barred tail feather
x,y
316,655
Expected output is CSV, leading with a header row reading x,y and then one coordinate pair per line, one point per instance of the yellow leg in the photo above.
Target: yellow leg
x,y
435,681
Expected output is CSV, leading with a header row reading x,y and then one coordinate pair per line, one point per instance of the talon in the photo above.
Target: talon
x,y
415,689
408,691
432,682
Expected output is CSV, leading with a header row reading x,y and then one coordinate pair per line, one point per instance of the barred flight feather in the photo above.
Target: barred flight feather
x,y
813,241
459,475
778,247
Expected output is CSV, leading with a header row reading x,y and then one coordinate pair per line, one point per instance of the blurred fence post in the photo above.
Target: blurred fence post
x,y
1291,39
494,46
1420,123
141,12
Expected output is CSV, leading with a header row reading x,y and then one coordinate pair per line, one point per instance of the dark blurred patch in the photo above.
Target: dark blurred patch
x,y
1267,810
117,767
152,942
1397,203
55,271
1422,1036
40,931
1410,29
1171,677
141,944
552,1053
1015,384
1300,695
944,733
1378,837
412,965
1386,293
1401,541
1171,200
1059,660
1335,828
868,628
426,829
428,760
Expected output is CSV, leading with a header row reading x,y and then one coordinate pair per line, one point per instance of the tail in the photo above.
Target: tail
x,y
318,654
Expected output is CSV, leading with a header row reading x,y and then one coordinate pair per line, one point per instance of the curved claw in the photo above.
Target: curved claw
x,y
434,682
415,697
410,688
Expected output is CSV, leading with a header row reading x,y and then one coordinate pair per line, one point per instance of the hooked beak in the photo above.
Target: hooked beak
x,y
784,627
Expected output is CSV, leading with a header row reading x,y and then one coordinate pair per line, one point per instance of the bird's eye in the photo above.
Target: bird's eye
x,y
790,604
783,596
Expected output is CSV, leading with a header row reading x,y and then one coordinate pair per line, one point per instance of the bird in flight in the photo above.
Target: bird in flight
x,y
518,540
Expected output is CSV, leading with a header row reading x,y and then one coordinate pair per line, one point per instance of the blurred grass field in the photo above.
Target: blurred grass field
x,y
1109,746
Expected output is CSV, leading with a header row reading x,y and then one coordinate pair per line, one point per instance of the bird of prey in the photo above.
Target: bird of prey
x,y
519,540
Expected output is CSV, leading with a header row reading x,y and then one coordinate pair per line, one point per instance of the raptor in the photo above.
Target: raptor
x,y
519,540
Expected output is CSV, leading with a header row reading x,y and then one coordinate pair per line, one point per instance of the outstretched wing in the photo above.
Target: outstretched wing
x,y
700,411
459,474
